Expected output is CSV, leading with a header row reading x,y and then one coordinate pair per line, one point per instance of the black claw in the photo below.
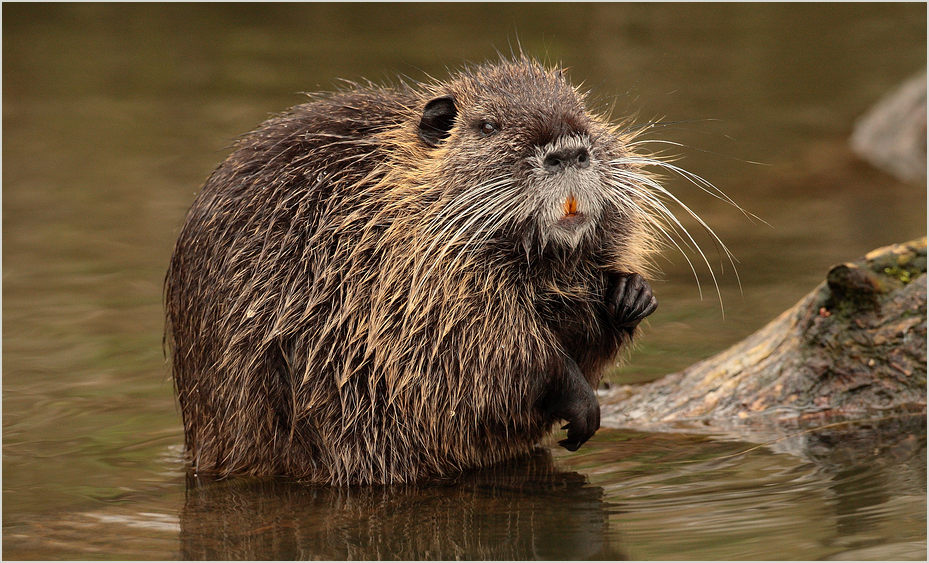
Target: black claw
x,y
629,299
569,445
573,400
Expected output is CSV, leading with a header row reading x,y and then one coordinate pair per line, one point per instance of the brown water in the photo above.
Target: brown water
x,y
114,115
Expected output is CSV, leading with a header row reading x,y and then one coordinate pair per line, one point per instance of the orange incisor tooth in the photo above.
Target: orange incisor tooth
x,y
570,206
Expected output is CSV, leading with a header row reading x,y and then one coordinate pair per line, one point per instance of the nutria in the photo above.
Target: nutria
x,y
387,284
499,513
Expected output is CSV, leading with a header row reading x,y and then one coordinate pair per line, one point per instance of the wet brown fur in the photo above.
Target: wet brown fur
x,y
323,324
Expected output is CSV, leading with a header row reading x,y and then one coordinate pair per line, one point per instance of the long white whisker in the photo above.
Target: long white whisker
x,y
654,222
662,141
655,203
644,180
472,193
500,216
648,182
695,179
474,215
698,181
729,255
451,209
446,216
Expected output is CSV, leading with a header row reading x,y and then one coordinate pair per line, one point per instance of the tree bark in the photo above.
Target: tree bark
x,y
854,346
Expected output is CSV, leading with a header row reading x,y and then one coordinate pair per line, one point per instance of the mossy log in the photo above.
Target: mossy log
x,y
854,346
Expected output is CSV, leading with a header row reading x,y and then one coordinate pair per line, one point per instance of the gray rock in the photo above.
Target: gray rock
x,y
892,135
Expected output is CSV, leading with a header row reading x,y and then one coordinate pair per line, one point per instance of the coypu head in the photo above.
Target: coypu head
x,y
518,141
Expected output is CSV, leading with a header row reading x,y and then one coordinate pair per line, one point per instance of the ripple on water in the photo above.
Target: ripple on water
x,y
757,505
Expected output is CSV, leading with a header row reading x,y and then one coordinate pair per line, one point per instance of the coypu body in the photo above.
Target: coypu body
x,y
394,283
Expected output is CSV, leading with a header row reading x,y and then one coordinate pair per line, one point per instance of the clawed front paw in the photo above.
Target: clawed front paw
x,y
583,418
575,402
629,299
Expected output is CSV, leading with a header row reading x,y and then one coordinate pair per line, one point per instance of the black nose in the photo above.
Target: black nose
x,y
559,160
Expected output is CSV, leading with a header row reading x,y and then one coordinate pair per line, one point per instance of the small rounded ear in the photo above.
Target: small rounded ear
x,y
438,118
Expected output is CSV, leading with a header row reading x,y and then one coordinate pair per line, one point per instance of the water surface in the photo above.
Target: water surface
x,y
114,115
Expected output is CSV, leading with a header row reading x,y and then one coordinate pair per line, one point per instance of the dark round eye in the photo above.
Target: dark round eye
x,y
488,128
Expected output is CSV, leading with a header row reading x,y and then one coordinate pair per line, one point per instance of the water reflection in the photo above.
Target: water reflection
x,y
834,494
526,509
831,492
618,497
870,465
